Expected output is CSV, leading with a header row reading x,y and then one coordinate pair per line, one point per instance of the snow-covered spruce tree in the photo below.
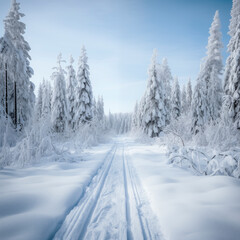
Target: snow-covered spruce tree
x,y
71,94
83,92
232,71
199,107
154,113
59,102
211,70
167,80
176,100
184,104
19,65
189,94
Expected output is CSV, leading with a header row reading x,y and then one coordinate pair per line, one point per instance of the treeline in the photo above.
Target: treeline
x,y
66,105
211,104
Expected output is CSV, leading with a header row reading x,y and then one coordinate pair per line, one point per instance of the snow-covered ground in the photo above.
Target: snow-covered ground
x,y
188,207
121,190
35,200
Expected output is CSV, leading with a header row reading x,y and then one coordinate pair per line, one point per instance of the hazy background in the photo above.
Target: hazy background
x,y
119,36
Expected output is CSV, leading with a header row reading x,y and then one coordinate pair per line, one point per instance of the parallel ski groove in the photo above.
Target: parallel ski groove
x,y
77,220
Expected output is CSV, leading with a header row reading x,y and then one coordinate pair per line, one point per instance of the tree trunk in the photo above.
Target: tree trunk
x,y
6,96
15,103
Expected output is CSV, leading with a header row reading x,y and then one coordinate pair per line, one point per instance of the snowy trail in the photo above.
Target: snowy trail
x,y
113,207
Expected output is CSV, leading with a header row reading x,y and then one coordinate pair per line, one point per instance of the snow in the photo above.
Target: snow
x,y
187,206
132,191
34,200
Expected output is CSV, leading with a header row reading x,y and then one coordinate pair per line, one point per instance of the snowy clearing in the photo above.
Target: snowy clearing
x,y
122,190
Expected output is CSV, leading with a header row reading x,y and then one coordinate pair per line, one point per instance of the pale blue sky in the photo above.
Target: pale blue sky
x,y
119,37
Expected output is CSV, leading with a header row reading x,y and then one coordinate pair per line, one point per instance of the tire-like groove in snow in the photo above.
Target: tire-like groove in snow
x,y
75,223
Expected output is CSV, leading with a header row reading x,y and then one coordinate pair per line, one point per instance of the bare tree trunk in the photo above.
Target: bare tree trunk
x,y
6,96
15,105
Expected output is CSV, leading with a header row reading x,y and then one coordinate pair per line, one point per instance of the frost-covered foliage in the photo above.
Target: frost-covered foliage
x,y
84,91
154,115
205,162
59,102
14,55
34,144
178,132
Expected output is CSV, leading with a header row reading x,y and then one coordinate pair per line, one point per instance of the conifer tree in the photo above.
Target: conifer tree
x,y
199,107
71,94
189,94
59,102
83,91
184,100
167,80
18,60
176,100
212,69
154,115
232,71
135,117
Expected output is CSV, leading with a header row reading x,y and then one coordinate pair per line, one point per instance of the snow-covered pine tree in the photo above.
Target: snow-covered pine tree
x,y
176,100
59,102
71,93
19,63
154,115
232,71
167,80
184,104
83,91
189,94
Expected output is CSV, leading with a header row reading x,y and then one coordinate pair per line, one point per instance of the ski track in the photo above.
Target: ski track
x,y
114,205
